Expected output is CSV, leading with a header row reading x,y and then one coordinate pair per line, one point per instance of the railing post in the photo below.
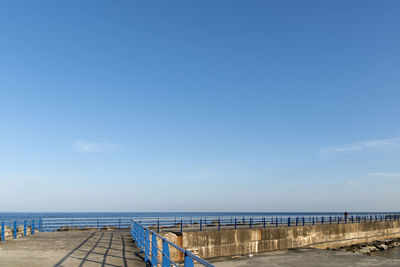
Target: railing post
x,y
219,224
322,220
288,221
119,223
2,232
330,219
40,225
181,225
251,221
147,246
25,228
235,223
264,221
154,250
15,229
312,220
97,223
338,220
158,225
201,224
166,256
33,227
276,222
188,261
303,221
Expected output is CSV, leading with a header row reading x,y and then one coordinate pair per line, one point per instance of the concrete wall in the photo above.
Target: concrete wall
x,y
210,244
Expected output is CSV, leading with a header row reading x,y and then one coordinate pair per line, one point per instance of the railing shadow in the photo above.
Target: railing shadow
x,y
104,248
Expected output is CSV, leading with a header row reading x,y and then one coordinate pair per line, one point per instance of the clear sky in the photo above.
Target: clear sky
x,y
199,105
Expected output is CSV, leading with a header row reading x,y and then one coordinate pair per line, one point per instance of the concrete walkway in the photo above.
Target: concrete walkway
x,y
70,249
307,258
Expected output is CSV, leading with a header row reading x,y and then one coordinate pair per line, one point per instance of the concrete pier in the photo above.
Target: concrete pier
x,y
71,249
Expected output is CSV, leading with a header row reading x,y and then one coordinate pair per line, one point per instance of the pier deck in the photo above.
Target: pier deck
x,y
71,249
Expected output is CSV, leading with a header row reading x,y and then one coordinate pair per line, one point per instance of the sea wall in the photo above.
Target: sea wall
x,y
230,242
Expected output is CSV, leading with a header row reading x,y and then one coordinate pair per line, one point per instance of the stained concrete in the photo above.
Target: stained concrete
x,y
306,258
70,249
211,244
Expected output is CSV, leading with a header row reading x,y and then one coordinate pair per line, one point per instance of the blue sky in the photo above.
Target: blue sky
x,y
199,105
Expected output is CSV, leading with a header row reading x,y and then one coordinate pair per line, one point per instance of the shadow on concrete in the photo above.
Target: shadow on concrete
x,y
104,248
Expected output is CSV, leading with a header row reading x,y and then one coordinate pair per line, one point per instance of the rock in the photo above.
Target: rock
x,y
371,248
63,228
382,247
364,250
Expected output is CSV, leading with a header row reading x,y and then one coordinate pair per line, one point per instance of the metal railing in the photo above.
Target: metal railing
x,y
12,229
220,223
141,235
22,227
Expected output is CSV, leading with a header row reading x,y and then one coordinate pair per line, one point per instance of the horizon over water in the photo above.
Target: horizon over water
x,y
31,215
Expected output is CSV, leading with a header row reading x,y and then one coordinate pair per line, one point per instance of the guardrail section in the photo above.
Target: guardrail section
x,y
141,235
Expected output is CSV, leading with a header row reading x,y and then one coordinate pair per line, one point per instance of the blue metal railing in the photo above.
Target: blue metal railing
x,y
23,227
141,235
13,228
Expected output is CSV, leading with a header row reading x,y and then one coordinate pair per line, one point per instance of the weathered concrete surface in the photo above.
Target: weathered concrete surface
x,y
211,244
307,258
70,249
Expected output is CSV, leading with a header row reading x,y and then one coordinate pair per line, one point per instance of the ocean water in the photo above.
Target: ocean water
x,y
36,215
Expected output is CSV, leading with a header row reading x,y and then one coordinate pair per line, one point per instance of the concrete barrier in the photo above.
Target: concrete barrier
x,y
230,242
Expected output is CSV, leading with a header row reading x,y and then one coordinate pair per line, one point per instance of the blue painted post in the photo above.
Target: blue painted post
x,y
312,220
352,219
264,221
345,219
244,220
251,220
15,229
276,221
370,218
201,224
219,224
381,218
322,220
3,232
97,223
119,223
188,261
166,256
235,223
147,246
175,220
338,220
154,250
288,221
158,225
303,221
330,219
40,225
25,228
376,218
33,227
181,225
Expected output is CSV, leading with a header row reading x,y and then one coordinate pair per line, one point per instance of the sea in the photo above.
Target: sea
x,y
36,215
